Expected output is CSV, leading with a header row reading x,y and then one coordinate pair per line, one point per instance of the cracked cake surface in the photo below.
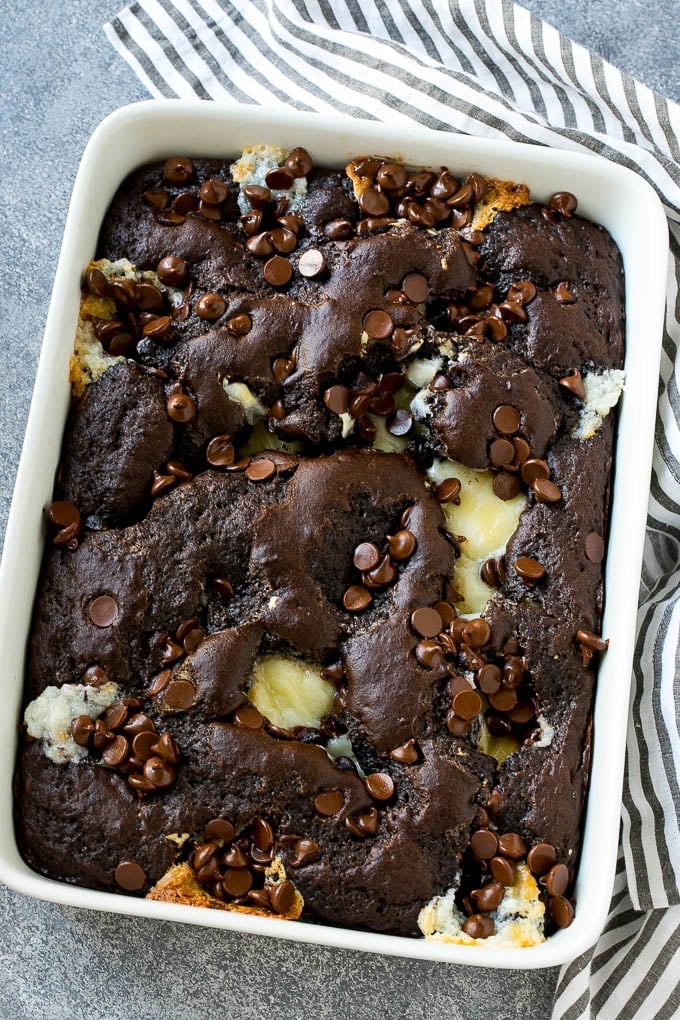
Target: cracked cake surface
x,y
318,619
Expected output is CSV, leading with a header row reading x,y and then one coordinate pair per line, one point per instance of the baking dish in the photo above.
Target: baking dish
x,y
608,194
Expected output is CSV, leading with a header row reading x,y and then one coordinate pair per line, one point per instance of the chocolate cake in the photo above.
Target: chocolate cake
x,y
318,621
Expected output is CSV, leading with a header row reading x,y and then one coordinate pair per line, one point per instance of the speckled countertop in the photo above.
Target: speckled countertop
x,y
59,77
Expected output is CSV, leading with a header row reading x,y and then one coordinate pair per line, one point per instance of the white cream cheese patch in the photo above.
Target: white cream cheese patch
x,y
243,395
48,717
252,167
290,692
603,390
518,920
487,523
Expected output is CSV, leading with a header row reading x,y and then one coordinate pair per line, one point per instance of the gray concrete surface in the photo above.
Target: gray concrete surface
x,y
58,78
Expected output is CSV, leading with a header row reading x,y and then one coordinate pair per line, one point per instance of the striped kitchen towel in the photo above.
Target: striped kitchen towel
x,y
488,67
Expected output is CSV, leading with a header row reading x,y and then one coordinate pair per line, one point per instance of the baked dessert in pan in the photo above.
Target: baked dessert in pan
x,y
317,627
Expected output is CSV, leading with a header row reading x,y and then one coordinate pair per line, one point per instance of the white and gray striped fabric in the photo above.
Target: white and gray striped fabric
x,y
488,67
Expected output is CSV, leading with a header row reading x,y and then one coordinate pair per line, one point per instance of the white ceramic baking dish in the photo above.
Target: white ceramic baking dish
x,y
607,193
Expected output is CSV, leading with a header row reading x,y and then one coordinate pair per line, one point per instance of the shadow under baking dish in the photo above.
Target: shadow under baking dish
x,y
607,193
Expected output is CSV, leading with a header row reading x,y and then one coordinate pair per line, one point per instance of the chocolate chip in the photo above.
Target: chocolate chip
x,y
546,491
236,882
262,834
282,896
406,754
503,700
157,328
283,240
502,870
561,911
484,844
366,556
222,587
96,282
187,202
391,176
479,926
401,545
378,324
103,611
336,399
467,704
511,845
522,713
489,679
384,573
506,486
82,728
299,162
279,179
63,513
180,695
220,452
211,307
429,654
166,748
574,384
506,419
161,484
124,292
501,453
380,785
159,772
172,270
374,203
591,641
239,325
157,199
522,449
139,723
541,858
261,470
564,203
356,599
415,287
529,570
306,851
329,802
521,292
178,170
180,408
339,230
489,897
533,469
257,196
260,244
448,491
130,876
492,571
277,271
95,676
563,294
400,423
312,263
219,828
249,717
116,752
426,621
143,743
476,633
456,726
594,547
213,191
